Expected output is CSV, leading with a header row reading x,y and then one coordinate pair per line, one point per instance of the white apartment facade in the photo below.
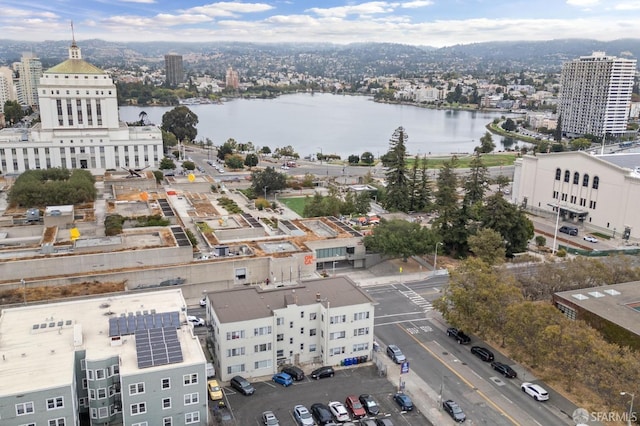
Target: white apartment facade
x,y
595,95
7,88
29,71
79,126
129,360
319,322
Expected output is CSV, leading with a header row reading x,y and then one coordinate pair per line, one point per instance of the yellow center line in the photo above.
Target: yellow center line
x,y
479,392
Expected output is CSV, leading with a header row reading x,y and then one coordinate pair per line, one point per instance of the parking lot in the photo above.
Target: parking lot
x,y
347,381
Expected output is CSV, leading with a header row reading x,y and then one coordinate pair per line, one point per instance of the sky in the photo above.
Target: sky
x,y
436,23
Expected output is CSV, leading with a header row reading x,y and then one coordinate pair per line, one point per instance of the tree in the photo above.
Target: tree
x,y
580,144
557,133
509,125
399,238
475,183
13,112
486,144
251,160
167,164
168,139
488,246
189,165
143,118
265,150
451,221
509,221
234,162
158,175
269,178
226,149
367,158
181,121
353,159
397,184
502,181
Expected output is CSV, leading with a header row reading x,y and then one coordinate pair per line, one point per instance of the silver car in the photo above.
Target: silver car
x,y
303,416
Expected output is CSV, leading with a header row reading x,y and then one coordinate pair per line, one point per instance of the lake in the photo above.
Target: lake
x,y
333,124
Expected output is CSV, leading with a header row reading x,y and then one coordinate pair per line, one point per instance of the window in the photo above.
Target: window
x,y
139,408
301,330
312,316
312,348
90,374
290,324
166,403
301,314
136,388
263,347
291,340
280,353
24,408
280,337
94,413
360,347
83,362
235,352
83,402
301,347
57,422
238,368
190,379
140,424
92,394
596,182
361,315
576,178
337,335
190,418
191,398
361,331
567,175
241,273
336,351
279,321
232,335
312,332
338,319
263,364
167,421
53,403
103,412
592,204
573,199
555,194
262,331
585,180
166,383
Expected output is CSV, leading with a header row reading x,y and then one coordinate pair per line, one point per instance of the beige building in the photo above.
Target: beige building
x,y
319,322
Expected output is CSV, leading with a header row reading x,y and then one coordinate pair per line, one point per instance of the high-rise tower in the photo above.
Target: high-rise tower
x,y
595,94
29,71
174,70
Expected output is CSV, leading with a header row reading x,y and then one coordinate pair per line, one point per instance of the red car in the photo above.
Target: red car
x,y
354,405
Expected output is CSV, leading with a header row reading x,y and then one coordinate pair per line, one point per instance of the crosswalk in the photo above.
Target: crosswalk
x,y
418,300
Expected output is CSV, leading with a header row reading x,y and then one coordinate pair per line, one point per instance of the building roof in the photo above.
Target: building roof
x,y
626,160
74,66
251,303
617,303
44,357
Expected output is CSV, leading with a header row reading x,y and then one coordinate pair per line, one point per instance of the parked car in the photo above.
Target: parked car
x,y
368,422
384,422
369,404
270,419
537,392
339,411
504,369
590,239
215,391
454,410
197,322
355,406
303,416
483,353
403,401
296,373
242,385
396,354
283,378
322,372
321,413
459,335
571,230
203,301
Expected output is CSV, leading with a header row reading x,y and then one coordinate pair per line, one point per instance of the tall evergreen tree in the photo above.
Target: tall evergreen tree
x,y
413,185
397,184
423,190
557,133
475,182
446,200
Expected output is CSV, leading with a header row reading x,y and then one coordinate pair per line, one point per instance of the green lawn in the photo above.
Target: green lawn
x,y
295,203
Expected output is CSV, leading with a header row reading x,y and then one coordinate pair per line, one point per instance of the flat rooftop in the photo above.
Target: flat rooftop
x,y
37,341
617,303
253,303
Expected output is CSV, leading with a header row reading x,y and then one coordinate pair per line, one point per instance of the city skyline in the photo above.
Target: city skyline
x,y
436,23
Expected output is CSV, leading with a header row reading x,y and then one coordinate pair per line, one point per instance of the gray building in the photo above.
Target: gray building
x,y
173,69
118,360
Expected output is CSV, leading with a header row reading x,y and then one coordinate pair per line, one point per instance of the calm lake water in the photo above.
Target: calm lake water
x,y
333,124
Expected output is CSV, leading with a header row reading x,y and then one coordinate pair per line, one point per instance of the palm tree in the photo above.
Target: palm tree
x,y
143,117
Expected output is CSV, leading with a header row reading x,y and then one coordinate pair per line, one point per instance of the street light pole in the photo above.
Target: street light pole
x,y
630,406
435,260
555,233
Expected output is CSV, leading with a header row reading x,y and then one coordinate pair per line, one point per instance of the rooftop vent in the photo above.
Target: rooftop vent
x,y
595,294
612,292
579,296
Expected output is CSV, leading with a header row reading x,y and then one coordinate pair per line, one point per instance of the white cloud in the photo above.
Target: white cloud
x,y
138,1
634,5
416,4
374,7
229,9
582,3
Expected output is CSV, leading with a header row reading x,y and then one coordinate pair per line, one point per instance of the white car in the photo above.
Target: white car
x,y
203,301
537,392
590,239
284,167
339,411
197,322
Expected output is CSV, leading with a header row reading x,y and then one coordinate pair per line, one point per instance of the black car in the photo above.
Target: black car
x,y
454,411
242,385
504,369
321,413
403,401
459,335
571,230
483,353
369,404
296,373
322,372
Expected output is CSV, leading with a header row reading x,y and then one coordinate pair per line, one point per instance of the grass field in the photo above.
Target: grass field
x,y
295,203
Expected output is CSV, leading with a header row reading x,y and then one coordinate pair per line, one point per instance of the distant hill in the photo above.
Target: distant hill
x,y
330,60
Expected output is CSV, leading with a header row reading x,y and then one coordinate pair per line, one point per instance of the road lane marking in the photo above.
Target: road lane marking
x,y
401,322
396,315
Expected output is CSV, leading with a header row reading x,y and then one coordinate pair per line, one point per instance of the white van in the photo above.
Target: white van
x,y
211,371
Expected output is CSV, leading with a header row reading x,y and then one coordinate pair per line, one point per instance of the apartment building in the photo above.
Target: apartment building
x,y
173,70
79,127
29,71
118,360
319,322
7,88
595,95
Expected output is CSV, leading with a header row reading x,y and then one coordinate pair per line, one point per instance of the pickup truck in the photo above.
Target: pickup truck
x,y
459,335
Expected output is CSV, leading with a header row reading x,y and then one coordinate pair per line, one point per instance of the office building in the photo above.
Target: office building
x,y
7,88
29,71
129,359
173,69
254,331
232,79
79,127
595,95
